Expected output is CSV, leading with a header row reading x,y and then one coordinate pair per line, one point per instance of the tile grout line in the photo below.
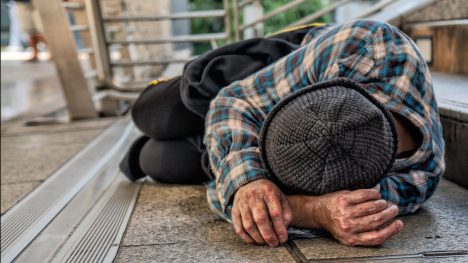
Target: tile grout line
x,y
45,132
295,252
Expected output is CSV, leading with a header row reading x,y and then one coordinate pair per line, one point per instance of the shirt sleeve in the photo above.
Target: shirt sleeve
x,y
379,57
394,72
234,121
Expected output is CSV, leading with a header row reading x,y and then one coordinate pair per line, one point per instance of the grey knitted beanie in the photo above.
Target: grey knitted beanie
x,y
328,137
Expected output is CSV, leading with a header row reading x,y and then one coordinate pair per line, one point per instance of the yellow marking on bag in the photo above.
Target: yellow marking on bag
x,y
157,81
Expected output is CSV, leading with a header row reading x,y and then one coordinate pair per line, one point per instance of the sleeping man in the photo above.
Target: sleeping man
x,y
341,134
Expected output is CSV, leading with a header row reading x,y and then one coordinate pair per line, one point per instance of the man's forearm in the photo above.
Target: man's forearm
x,y
357,217
305,211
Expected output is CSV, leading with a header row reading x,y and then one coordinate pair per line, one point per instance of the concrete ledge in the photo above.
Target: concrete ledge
x,y
452,97
438,226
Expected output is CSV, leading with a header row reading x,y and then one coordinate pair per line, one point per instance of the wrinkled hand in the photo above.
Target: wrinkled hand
x,y
359,217
261,213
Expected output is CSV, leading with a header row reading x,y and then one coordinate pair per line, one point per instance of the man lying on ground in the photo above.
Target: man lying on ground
x,y
341,134
284,141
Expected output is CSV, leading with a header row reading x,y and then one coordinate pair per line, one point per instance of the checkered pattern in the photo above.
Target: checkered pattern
x,y
383,60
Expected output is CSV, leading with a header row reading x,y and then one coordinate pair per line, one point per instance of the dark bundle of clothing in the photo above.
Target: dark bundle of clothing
x,y
171,113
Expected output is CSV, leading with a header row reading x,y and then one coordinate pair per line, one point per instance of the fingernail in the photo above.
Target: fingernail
x,y
399,226
275,244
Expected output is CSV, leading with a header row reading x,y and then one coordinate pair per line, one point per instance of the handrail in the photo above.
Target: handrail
x,y
79,27
102,41
72,5
180,15
455,22
174,39
318,14
305,20
149,62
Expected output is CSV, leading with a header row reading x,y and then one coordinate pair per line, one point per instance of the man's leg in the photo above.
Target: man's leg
x,y
160,114
175,161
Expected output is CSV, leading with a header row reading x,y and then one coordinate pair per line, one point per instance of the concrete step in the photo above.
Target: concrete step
x,y
452,97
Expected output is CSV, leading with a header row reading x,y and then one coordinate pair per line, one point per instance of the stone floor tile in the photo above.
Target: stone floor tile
x,y
21,165
12,193
16,128
173,223
203,251
441,224
40,140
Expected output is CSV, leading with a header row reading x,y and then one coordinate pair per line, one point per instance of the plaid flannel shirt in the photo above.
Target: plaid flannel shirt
x,y
381,58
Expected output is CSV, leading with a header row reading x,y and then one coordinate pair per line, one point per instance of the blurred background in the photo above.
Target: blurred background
x,y
79,59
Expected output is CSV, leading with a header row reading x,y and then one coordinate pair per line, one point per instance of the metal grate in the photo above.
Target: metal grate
x,y
100,233
21,224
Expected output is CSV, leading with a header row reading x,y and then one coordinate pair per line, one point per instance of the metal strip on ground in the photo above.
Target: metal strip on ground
x,y
21,224
98,237
47,244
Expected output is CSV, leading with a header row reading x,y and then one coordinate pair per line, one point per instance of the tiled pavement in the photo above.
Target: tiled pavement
x,y
29,155
173,223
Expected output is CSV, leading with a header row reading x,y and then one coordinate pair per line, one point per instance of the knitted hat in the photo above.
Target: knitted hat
x,y
328,137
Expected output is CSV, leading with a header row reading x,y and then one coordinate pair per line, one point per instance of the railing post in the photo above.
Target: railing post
x,y
98,40
227,20
63,50
236,19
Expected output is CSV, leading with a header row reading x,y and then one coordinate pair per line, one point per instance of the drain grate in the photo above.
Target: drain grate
x,y
22,223
101,231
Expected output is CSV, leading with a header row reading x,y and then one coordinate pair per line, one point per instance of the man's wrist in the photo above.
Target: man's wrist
x,y
306,211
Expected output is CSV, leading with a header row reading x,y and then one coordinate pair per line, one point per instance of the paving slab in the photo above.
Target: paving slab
x,y
34,158
11,193
15,128
40,140
29,155
440,225
174,224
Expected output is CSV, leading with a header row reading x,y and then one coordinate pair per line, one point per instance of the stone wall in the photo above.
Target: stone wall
x,y
440,10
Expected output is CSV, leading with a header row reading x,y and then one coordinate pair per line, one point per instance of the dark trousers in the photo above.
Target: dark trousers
x,y
172,148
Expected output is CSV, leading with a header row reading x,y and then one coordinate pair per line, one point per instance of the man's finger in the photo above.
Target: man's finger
x,y
374,221
287,212
362,195
275,210
378,237
262,220
237,222
249,225
369,208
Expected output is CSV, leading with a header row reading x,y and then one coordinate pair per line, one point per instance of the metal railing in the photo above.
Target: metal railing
x,y
102,43
99,27
239,28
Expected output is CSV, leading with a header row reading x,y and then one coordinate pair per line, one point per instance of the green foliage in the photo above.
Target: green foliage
x,y
283,19
200,26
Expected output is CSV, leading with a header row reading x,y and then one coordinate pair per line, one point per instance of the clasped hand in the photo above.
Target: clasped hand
x,y
261,214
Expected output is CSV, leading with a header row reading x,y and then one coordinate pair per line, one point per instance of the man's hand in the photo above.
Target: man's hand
x,y
358,217
261,213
